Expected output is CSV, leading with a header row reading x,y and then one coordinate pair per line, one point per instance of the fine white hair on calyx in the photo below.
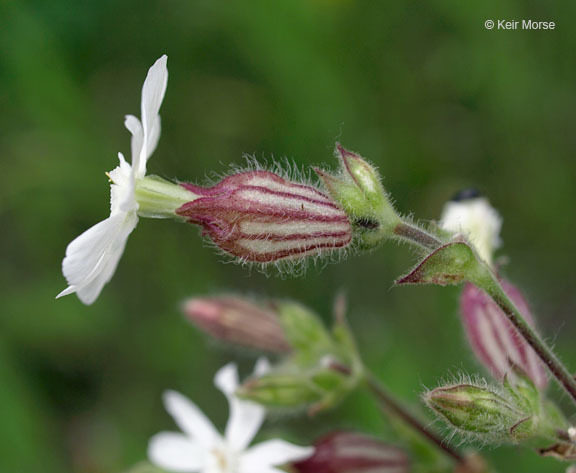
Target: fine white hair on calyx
x,y
291,266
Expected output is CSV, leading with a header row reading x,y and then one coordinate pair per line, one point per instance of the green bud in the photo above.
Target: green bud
x,y
358,189
322,368
481,411
303,330
522,389
281,390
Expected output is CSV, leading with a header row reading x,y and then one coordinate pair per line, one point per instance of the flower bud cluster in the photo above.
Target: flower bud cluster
x,y
322,369
320,366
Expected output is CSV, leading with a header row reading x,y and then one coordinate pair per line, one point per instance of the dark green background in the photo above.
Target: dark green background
x,y
420,88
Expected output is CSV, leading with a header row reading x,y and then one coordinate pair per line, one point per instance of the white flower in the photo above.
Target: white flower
x,y
91,258
202,449
472,216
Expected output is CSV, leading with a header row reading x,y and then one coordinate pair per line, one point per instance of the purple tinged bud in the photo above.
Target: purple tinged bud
x,y
238,321
349,452
258,216
493,338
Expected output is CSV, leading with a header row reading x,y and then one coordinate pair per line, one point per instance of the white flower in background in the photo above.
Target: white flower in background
x,y
202,449
471,215
91,258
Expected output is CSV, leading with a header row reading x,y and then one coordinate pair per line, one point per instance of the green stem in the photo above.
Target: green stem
x,y
391,405
415,235
489,283
485,279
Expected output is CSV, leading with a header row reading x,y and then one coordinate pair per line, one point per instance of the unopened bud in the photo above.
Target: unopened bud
x,y
260,217
317,387
480,410
280,390
348,452
471,215
493,338
303,329
358,189
238,321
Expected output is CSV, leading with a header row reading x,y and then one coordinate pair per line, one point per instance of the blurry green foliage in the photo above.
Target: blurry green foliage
x,y
421,88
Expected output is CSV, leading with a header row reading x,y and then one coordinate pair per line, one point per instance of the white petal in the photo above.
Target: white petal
x,y
135,128
262,367
190,419
122,196
245,417
270,454
91,259
154,135
476,219
175,452
245,420
152,95
226,379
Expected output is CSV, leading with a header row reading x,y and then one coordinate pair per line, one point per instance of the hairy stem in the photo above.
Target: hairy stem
x,y
494,289
486,280
416,236
391,405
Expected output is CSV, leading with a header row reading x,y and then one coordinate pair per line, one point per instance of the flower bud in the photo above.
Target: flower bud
x,y
480,410
349,452
280,390
493,338
304,330
258,216
238,321
291,385
358,189
471,215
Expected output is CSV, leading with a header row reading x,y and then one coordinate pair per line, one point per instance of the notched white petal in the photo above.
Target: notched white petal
x,y
176,452
92,258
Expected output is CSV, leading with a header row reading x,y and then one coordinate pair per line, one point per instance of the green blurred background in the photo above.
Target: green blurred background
x,y
421,88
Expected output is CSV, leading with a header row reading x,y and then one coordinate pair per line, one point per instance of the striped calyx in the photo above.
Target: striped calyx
x,y
493,338
350,452
258,216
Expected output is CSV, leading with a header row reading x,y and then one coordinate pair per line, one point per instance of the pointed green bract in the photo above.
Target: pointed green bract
x,y
450,264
